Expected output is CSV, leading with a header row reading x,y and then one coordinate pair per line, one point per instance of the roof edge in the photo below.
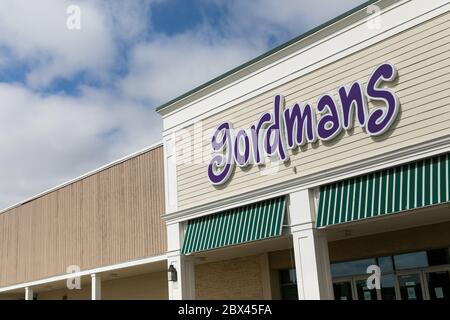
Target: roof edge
x,y
85,175
265,55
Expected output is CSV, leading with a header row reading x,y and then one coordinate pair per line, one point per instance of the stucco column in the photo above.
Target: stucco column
x,y
184,286
29,294
311,256
96,287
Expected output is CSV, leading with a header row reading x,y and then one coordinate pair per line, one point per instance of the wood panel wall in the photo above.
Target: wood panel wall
x,y
110,217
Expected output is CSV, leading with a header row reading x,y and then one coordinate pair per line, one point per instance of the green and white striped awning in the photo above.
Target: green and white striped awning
x,y
410,186
235,226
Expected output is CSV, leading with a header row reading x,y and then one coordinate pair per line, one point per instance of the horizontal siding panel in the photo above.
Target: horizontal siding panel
x,y
421,55
339,154
414,100
276,180
409,71
428,85
350,69
437,112
423,135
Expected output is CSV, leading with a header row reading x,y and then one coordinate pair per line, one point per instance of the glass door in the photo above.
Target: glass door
x,y
388,287
363,292
343,290
438,284
411,286
415,284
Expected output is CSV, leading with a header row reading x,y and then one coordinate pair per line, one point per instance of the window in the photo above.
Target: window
x,y
422,259
411,260
388,287
438,257
408,276
288,284
350,268
386,264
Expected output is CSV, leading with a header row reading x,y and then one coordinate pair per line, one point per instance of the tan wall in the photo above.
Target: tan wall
x,y
408,240
421,56
283,259
110,217
150,286
240,278
83,294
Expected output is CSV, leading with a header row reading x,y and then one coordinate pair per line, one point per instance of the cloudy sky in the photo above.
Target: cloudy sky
x,y
72,100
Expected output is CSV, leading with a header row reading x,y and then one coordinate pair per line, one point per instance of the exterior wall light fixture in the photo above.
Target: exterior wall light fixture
x,y
172,272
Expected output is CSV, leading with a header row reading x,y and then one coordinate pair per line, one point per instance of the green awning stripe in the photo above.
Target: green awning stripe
x,y
409,186
235,226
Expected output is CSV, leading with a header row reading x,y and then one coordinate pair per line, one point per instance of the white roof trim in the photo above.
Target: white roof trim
x,y
109,165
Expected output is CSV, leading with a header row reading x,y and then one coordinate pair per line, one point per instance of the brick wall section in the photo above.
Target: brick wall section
x,y
239,278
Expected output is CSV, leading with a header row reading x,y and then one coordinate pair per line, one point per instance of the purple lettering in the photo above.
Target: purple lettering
x,y
275,145
329,124
380,119
283,129
255,134
242,140
299,121
221,165
350,100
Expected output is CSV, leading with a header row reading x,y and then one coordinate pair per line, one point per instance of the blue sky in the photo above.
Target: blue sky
x,y
73,100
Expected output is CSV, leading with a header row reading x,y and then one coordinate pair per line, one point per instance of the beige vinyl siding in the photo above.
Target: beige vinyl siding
x,y
422,58
110,217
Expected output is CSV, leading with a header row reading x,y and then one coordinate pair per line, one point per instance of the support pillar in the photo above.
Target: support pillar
x,y
312,264
96,287
184,286
29,294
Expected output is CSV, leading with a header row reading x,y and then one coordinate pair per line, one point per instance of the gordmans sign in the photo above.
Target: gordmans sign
x,y
287,128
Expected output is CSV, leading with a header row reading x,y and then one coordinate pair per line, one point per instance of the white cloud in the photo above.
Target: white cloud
x,y
169,66
165,67
275,18
35,32
127,21
47,140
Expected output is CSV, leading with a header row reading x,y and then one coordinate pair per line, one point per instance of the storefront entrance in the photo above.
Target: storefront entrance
x,y
423,275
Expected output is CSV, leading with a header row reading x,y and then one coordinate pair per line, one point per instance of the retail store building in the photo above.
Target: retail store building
x,y
285,178
291,175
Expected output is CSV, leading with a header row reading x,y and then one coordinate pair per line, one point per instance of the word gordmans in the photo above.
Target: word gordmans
x,y
287,128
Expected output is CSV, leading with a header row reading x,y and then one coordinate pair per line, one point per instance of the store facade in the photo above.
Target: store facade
x,y
296,174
